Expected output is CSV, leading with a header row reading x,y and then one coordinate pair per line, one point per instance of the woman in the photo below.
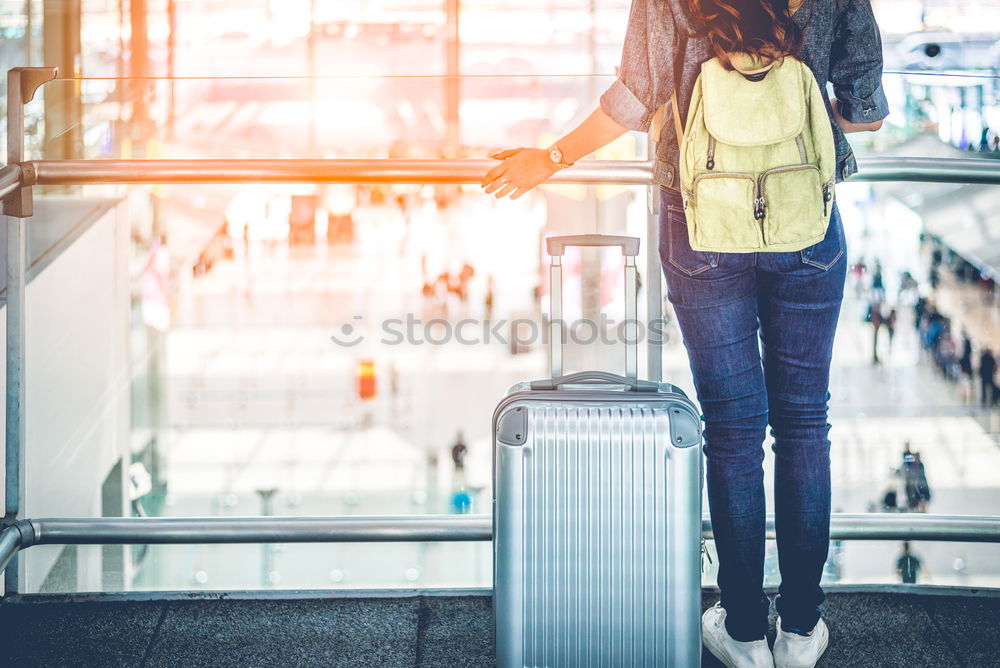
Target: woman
x,y
725,301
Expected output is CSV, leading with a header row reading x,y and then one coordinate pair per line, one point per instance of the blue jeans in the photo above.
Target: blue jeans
x,y
791,301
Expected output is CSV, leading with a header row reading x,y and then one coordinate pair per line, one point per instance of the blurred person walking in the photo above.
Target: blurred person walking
x,y
461,498
908,566
919,309
914,478
947,354
787,301
987,377
878,283
920,484
907,285
890,499
874,317
858,270
489,299
458,452
934,278
890,326
965,367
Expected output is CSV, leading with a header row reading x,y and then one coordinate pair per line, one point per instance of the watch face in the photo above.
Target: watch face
x,y
555,155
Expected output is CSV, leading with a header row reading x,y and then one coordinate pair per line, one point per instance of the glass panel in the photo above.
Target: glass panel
x,y
350,116
861,562
242,404
302,350
193,347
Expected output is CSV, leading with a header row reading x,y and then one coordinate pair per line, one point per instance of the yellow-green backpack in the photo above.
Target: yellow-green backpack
x,y
757,160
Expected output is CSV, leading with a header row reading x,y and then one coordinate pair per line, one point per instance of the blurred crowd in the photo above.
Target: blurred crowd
x,y
969,364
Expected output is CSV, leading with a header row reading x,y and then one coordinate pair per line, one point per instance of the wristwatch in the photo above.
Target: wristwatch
x,y
556,156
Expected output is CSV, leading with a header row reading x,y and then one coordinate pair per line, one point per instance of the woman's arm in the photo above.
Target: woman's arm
x,y
524,168
848,126
856,68
643,85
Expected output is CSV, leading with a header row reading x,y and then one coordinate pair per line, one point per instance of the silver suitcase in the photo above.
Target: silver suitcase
x,y
596,512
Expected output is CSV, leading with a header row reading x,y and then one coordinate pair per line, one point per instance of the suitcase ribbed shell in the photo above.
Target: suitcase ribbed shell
x,y
597,526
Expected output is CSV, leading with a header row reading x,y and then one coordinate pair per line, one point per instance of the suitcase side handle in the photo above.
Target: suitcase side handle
x,y
556,246
595,378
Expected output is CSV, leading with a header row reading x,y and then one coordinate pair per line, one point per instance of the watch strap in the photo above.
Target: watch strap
x,y
562,164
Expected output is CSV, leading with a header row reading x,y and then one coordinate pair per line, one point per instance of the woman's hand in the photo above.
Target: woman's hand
x,y
849,127
521,170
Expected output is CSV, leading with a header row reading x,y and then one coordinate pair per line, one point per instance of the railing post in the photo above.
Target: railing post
x,y
654,280
14,450
22,82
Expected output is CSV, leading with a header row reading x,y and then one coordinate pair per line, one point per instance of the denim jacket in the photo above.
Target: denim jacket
x,y
841,45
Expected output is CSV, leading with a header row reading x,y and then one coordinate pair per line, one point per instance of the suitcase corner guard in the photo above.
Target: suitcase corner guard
x,y
512,427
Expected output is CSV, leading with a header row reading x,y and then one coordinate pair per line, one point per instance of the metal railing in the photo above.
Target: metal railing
x,y
18,178
419,528
588,172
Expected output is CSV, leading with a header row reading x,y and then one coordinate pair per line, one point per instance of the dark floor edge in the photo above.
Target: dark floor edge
x,y
241,595
321,594
916,589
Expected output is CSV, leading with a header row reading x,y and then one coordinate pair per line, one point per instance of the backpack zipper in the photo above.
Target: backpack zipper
x,y
802,149
710,163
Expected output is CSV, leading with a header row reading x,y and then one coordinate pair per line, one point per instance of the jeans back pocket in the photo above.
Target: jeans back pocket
x,y
675,248
827,252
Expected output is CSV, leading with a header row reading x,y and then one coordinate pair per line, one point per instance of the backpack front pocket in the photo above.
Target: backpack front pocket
x,y
723,213
804,212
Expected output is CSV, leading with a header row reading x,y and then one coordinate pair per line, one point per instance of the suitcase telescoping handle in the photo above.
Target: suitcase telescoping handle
x,y
556,247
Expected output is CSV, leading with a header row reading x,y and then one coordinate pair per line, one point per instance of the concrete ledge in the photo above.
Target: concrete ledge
x,y
921,626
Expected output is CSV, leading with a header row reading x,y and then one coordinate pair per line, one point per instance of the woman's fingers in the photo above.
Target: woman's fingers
x,y
494,174
496,185
507,189
502,167
505,177
503,155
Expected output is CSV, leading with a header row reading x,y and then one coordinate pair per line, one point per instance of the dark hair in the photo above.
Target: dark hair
x,y
763,28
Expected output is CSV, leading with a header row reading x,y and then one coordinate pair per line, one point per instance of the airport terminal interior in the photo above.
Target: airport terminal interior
x,y
334,347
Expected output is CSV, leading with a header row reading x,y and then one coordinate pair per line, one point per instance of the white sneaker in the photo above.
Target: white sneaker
x,y
792,650
732,653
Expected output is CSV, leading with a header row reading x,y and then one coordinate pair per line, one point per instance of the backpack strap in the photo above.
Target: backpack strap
x,y
675,112
657,123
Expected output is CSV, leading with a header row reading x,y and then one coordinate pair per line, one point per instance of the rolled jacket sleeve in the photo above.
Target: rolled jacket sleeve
x,y
645,78
856,64
625,108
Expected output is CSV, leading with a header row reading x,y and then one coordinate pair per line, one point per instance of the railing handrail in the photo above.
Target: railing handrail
x,y
421,528
434,171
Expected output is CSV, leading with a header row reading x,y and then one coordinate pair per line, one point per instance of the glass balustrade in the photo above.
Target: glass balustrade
x,y
337,349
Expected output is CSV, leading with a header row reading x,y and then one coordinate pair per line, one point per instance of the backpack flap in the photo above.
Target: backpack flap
x,y
770,111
